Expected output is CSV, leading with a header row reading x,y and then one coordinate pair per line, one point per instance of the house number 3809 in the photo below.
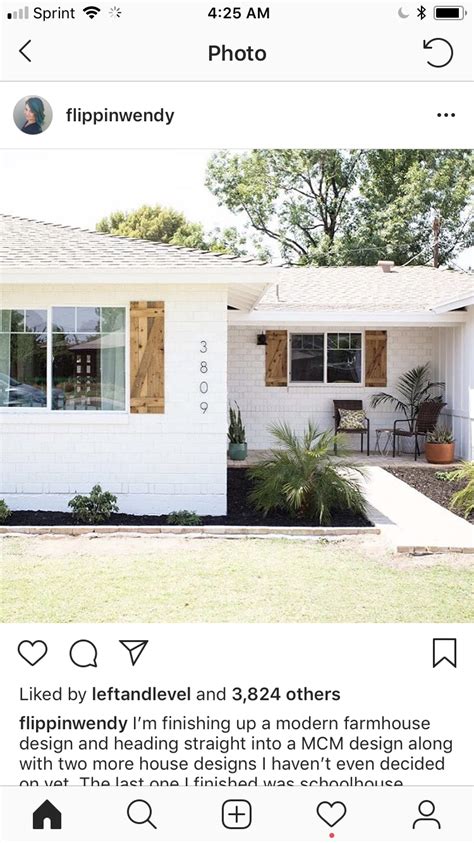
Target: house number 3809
x,y
203,386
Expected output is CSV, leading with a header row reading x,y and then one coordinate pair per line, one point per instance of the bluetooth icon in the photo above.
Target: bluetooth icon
x,y
422,12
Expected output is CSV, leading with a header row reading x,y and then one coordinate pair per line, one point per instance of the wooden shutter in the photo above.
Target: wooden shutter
x,y
147,357
276,359
376,358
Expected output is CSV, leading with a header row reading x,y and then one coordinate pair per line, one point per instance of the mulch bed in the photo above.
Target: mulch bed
x,y
424,480
240,513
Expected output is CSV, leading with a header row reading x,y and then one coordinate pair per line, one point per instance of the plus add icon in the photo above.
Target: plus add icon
x,y
236,814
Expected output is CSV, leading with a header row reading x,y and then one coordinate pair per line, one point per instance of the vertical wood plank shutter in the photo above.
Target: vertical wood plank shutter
x,y
276,358
147,357
376,358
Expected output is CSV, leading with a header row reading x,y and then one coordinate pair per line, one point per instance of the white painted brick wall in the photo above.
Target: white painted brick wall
x,y
262,406
154,463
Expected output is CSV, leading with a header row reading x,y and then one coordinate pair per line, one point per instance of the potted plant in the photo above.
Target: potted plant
x,y
439,448
413,388
236,435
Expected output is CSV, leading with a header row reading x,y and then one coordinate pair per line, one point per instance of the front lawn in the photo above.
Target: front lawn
x,y
135,579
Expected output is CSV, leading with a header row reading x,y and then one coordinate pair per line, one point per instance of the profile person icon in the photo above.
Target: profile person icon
x,y
426,809
32,115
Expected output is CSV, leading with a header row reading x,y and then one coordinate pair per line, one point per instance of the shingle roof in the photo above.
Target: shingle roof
x,y
28,244
410,289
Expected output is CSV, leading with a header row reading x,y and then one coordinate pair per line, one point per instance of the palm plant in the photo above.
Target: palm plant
x,y
304,478
413,387
463,500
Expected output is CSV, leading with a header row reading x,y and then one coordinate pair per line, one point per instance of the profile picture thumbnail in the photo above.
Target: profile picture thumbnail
x,y
33,115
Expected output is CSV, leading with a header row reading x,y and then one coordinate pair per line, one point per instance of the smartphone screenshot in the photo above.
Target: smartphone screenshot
x,y
236,421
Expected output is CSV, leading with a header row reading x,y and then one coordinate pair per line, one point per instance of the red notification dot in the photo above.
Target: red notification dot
x,y
331,835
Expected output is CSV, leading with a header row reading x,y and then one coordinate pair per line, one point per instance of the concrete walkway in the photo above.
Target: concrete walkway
x,y
411,521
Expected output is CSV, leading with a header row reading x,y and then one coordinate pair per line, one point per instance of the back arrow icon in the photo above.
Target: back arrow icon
x,y
24,54
427,45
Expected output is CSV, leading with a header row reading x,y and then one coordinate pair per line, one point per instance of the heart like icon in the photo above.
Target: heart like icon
x,y
331,813
32,651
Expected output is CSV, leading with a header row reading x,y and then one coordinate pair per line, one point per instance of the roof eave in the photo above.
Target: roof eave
x,y
353,318
232,274
454,304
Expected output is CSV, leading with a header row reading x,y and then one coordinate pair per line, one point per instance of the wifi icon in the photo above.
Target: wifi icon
x,y
91,11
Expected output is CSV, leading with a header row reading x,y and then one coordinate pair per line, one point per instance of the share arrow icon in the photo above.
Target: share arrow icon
x,y
135,649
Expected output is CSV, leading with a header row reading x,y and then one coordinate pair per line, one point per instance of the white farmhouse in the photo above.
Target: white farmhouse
x,y
119,357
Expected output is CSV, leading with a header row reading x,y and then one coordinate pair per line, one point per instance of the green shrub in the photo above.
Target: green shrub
x,y
183,518
443,475
94,508
305,479
440,435
5,511
463,501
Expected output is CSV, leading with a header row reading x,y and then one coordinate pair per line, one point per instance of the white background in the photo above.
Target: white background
x,y
380,670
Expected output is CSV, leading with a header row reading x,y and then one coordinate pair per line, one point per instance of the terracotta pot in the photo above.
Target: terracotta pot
x,y
440,453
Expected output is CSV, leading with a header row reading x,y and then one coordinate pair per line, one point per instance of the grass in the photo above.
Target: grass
x,y
177,580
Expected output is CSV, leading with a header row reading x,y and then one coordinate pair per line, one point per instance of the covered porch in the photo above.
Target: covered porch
x,y
348,334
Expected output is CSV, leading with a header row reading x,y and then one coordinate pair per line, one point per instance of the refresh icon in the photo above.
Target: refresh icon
x,y
429,45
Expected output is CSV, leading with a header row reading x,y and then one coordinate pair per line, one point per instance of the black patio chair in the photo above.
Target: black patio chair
x,y
424,422
365,431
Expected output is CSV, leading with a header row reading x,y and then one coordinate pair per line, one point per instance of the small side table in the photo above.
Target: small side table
x,y
383,440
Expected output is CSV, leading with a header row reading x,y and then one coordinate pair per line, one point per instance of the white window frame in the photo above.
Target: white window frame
x,y
325,382
49,369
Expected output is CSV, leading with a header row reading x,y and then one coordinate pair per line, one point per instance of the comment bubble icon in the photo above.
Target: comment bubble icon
x,y
83,653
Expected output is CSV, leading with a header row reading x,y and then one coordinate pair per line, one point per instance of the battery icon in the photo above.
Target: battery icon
x,y
449,12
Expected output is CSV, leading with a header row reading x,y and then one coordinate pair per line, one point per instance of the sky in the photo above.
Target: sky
x,y
79,187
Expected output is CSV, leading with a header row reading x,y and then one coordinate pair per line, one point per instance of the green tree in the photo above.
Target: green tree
x,y
343,207
299,199
165,225
416,205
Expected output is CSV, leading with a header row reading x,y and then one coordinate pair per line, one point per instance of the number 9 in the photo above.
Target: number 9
x,y
204,406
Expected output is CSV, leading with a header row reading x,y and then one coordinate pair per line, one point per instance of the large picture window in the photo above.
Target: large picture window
x,y
87,353
326,358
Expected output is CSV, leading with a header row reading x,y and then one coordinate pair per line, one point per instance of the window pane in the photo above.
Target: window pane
x,y
22,370
296,341
343,341
343,366
64,319
12,320
307,358
113,319
89,372
333,340
88,319
35,321
356,340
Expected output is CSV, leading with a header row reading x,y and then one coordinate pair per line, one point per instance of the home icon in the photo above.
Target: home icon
x,y
47,811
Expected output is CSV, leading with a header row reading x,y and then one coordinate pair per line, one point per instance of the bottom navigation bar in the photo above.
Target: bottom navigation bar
x,y
261,813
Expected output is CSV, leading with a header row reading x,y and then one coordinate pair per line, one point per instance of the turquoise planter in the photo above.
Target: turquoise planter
x,y
237,450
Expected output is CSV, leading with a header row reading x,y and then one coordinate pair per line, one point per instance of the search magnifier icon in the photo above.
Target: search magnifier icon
x,y
139,812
